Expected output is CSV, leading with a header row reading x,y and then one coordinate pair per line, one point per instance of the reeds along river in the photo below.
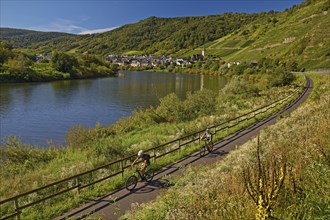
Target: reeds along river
x,y
39,112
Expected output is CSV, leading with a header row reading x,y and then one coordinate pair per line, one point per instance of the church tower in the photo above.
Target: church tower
x,y
203,52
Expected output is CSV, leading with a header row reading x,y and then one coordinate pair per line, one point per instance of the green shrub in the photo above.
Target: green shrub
x,y
198,104
280,77
17,157
169,109
239,86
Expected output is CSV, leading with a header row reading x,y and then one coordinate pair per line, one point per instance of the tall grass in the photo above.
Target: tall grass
x,y
27,167
219,191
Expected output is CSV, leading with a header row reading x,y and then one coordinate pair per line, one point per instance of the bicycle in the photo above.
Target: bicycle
x,y
132,180
208,145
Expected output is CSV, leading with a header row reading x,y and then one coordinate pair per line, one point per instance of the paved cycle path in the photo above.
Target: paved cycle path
x,y
114,204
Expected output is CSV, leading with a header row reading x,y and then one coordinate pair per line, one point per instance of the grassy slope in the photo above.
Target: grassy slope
x,y
218,191
25,168
300,34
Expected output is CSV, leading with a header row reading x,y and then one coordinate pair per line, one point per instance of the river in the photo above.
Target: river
x,y
40,112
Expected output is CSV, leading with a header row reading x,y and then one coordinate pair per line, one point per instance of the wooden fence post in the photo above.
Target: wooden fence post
x,y
154,156
16,205
122,168
78,184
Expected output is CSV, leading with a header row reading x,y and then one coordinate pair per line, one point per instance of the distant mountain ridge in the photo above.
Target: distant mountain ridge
x,y
151,35
21,38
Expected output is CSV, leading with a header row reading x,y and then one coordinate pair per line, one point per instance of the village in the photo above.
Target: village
x,y
152,61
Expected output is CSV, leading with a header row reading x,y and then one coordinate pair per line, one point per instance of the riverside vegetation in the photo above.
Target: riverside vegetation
x,y
25,167
19,66
282,174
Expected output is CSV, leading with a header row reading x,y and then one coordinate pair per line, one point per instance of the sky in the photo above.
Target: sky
x,y
94,16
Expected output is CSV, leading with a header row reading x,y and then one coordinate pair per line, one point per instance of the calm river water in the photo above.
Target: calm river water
x,y
40,112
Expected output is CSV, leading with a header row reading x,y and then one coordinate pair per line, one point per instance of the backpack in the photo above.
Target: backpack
x,y
147,158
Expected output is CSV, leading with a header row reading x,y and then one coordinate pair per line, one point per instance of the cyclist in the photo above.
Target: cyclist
x,y
145,158
207,136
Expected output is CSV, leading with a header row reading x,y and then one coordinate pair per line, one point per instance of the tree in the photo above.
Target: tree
x,y
5,52
198,64
19,61
89,59
64,62
169,108
280,77
239,69
292,65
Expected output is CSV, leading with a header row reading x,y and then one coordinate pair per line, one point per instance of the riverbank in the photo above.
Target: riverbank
x,y
8,75
18,66
89,148
41,112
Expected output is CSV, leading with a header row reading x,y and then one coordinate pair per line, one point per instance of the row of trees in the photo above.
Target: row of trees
x,y
17,66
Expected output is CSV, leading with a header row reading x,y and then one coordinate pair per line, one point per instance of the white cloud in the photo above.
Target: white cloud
x,y
68,26
61,25
65,26
97,30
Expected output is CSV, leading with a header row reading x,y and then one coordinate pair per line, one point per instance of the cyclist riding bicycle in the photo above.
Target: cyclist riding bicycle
x,y
145,158
207,136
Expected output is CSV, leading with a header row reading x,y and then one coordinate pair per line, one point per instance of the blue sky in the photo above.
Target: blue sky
x,y
88,16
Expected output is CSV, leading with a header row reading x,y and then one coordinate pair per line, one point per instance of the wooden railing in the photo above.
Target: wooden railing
x,y
119,166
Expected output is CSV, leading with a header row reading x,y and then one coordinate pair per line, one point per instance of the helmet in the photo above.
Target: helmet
x,y
140,153
207,129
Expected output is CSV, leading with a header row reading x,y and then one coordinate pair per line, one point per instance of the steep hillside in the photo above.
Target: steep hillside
x,y
152,35
300,34
22,38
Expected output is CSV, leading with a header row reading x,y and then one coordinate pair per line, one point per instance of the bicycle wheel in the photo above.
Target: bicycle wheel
x,y
131,183
202,151
148,175
210,147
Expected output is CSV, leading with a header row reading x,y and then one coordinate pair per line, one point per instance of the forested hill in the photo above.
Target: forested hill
x,y
300,34
151,35
19,38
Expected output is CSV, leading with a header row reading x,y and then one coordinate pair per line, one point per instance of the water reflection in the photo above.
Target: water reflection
x,y
38,112
10,94
5,100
